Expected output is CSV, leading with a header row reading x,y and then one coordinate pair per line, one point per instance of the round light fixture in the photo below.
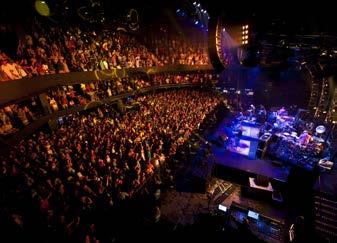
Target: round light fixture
x,y
42,8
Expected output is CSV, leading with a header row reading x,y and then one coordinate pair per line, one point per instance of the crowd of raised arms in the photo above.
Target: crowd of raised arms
x,y
56,181
14,117
61,50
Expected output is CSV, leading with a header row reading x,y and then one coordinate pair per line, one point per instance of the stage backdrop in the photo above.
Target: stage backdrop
x,y
271,86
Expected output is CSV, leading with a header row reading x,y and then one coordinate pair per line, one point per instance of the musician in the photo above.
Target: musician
x,y
238,136
305,138
310,126
262,111
261,114
251,111
282,112
272,117
240,116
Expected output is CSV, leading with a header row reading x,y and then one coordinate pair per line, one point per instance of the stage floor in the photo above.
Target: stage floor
x,y
256,166
226,158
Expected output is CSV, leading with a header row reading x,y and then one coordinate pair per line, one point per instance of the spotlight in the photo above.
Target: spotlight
x,y
243,27
243,32
178,10
198,4
196,22
247,26
194,3
223,29
246,32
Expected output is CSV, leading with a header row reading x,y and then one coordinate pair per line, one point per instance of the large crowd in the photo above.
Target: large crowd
x,y
49,50
171,49
64,97
16,116
202,77
54,182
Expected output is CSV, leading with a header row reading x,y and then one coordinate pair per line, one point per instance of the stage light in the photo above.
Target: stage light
x,y
247,26
243,27
198,4
223,29
196,22
42,8
194,3
178,10
246,32
243,32
243,42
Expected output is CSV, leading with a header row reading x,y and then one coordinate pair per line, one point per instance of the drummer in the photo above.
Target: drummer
x,y
305,138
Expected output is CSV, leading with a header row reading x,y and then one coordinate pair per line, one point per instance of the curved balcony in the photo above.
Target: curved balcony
x,y
14,90
18,90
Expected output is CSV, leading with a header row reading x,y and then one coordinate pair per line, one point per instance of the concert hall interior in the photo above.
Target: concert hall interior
x,y
169,121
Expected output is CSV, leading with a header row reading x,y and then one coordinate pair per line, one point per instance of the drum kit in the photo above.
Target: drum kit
x,y
305,141
320,130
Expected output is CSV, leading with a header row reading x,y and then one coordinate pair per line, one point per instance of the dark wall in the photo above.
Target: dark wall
x,y
272,86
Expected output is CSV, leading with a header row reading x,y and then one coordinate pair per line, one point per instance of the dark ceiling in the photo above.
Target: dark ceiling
x,y
276,16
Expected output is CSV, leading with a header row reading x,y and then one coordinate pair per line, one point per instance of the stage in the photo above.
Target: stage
x,y
234,166
230,160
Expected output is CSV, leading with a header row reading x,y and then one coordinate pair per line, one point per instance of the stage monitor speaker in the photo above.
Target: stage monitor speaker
x,y
253,149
